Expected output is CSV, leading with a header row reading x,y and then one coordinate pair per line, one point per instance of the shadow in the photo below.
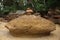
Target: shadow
x,y
32,35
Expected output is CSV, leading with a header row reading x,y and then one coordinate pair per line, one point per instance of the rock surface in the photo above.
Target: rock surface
x,y
5,35
30,24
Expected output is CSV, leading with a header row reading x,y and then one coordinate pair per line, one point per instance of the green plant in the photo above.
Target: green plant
x,y
40,5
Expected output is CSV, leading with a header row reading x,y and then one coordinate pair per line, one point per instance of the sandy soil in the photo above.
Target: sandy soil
x,y
4,35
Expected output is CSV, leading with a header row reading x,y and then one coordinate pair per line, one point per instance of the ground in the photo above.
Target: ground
x,y
5,35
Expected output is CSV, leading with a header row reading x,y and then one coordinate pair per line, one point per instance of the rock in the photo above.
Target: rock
x,y
3,20
30,24
11,17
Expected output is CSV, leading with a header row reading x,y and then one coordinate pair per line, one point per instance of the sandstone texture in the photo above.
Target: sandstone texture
x,y
30,24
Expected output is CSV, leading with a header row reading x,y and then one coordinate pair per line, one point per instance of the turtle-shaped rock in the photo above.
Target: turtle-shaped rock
x,y
30,24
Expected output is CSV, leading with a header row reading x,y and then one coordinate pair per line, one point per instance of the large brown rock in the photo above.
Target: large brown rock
x,y
30,24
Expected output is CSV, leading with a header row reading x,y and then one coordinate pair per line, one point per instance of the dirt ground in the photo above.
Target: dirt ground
x,y
5,35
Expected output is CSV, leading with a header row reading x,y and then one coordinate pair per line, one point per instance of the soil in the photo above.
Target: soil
x,y
5,35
